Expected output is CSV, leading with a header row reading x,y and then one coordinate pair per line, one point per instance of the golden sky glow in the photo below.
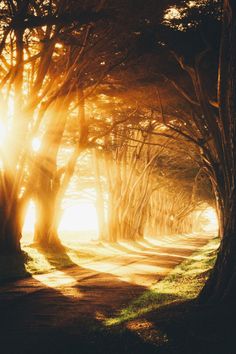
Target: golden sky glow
x,y
79,222
77,219
210,216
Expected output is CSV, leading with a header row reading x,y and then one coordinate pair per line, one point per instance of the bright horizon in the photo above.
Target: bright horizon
x,y
80,216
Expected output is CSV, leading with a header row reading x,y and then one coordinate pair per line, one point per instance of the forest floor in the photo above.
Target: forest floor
x,y
127,298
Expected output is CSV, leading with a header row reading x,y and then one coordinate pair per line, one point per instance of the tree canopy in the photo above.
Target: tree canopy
x,y
148,89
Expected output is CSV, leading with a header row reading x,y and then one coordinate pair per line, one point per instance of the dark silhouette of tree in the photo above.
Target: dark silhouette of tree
x,y
221,286
208,121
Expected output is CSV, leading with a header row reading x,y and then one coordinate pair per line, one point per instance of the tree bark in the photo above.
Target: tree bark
x,y
10,216
48,210
100,205
221,285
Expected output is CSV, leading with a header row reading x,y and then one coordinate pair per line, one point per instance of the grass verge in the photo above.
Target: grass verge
x,y
183,283
34,260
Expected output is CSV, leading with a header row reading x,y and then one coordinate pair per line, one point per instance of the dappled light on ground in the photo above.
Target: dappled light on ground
x,y
88,288
142,263
182,283
55,279
147,331
63,282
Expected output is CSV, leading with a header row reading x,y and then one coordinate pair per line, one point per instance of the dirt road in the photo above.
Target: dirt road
x,y
57,312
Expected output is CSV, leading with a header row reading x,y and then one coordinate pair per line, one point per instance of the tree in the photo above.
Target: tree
x,y
221,285
89,54
32,77
197,113
211,127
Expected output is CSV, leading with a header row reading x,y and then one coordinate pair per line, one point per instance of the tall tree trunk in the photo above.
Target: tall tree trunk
x,y
10,232
221,285
48,209
53,182
10,216
100,200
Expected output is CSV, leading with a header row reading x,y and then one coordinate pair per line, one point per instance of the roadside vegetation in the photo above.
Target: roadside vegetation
x,y
183,283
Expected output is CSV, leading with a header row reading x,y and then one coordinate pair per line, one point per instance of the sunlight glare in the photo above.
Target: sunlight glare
x,y
11,105
55,279
81,217
210,217
30,217
78,223
28,227
3,134
36,144
172,13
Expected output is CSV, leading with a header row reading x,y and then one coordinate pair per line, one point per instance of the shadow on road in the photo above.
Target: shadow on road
x,y
44,316
40,319
57,258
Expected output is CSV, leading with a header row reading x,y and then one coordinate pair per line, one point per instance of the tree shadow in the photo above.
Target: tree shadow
x,y
58,258
71,318
195,329
43,320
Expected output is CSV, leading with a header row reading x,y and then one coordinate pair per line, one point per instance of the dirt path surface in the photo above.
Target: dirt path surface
x,y
56,312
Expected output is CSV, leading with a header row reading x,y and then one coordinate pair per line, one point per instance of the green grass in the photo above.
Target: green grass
x,y
183,283
44,261
162,320
34,260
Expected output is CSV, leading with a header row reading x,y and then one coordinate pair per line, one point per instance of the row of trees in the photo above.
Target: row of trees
x,y
56,56
53,55
150,185
211,125
204,77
